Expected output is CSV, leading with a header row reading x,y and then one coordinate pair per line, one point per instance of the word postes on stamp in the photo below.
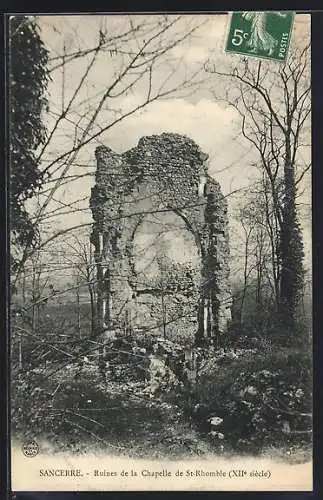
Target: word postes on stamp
x,y
265,35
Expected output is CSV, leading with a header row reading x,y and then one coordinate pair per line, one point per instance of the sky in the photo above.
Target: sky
x,y
214,126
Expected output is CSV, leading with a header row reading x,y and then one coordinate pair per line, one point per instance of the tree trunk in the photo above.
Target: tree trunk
x,y
291,252
20,358
78,311
93,310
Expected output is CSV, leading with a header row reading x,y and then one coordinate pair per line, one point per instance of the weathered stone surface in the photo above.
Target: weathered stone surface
x,y
162,173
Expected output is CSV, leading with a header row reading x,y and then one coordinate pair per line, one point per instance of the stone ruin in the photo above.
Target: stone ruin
x,y
166,172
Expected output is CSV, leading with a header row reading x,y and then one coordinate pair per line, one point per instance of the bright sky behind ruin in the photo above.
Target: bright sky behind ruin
x,y
215,127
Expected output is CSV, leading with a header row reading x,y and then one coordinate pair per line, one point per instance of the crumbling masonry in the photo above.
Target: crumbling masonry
x,y
164,172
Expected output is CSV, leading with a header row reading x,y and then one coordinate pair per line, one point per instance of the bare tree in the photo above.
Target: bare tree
x,y
260,238
274,107
84,107
81,257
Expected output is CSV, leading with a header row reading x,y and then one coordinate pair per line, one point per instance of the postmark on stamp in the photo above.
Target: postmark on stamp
x,y
265,35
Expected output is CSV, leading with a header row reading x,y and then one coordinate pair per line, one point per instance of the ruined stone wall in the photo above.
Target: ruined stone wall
x,y
162,173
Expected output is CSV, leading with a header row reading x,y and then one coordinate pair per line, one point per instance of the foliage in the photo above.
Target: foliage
x,y
292,275
177,277
259,320
27,86
245,398
76,411
176,288
146,395
261,395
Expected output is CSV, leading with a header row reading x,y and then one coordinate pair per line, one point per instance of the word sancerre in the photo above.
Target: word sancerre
x,y
60,472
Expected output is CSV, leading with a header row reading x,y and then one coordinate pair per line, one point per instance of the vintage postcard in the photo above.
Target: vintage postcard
x,y
160,199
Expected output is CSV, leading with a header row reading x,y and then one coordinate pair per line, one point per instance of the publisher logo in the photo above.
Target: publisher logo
x,y
260,34
30,449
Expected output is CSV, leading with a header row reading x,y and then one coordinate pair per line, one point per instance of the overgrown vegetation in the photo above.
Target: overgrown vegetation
x,y
28,81
148,396
145,389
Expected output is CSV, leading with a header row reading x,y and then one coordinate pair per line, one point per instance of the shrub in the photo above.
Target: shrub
x,y
261,396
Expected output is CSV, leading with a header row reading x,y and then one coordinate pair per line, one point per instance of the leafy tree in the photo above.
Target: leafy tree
x,y
27,96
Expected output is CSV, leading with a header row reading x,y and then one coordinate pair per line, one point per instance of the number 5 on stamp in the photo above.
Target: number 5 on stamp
x,y
260,34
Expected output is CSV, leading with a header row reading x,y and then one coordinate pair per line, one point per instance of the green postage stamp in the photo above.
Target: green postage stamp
x,y
260,34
